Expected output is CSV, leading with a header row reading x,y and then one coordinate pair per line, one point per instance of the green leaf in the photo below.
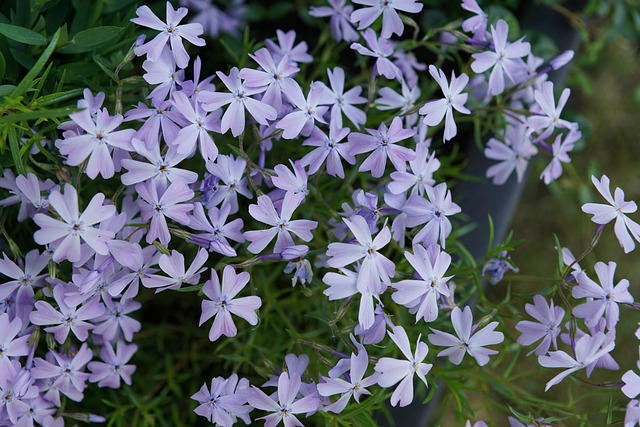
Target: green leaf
x,y
6,90
3,66
88,40
31,115
22,35
33,72
15,151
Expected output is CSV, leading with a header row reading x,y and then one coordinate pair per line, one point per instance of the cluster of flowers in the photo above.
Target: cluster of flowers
x,y
113,250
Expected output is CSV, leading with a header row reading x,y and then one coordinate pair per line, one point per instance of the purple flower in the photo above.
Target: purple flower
x,y
603,298
139,264
224,303
67,372
10,346
383,144
238,99
345,285
286,47
162,73
393,371
216,232
270,78
391,22
301,120
477,25
296,257
466,341
157,120
434,212
435,111
281,224
24,279
545,123
631,381
170,32
504,58
514,154
200,124
114,365
229,170
288,181
625,228
156,207
380,49
67,317
632,416
497,266
17,391
355,386
340,22
225,402
330,149
161,169
74,226
173,265
561,149
343,102
115,322
422,168
285,408
422,294
406,101
31,187
409,66
587,350
97,143
546,328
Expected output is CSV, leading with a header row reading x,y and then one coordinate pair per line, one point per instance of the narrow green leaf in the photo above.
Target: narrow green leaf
x,y
15,151
33,72
31,115
6,89
3,66
91,38
22,35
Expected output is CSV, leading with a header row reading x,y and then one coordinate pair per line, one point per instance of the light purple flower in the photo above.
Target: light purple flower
x,y
603,298
285,408
409,66
345,285
356,385
625,228
288,181
393,371
170,32
381,49
340,22
67,372
238,99
197,130
286,47
156,206
561,149
74,226
391,22
10,346
114,365
466,341
343,102
24,279
115,322
422,168
162,169
223,303
514,154
67,317
477,25
504,59
31,187
434,212
17,392
306,112
497,266
435,111
587,350
157,120
225,402
631,382
229,170
383,144
162,73
405,101
330,149
547,325
545,123
216,230
270,78
97,143
422,294
632,415
174,266
280,222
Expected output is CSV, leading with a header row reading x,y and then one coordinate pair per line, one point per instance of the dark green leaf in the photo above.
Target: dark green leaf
x,y
22,35
88,40
31,115
3,65
15,151
33,72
